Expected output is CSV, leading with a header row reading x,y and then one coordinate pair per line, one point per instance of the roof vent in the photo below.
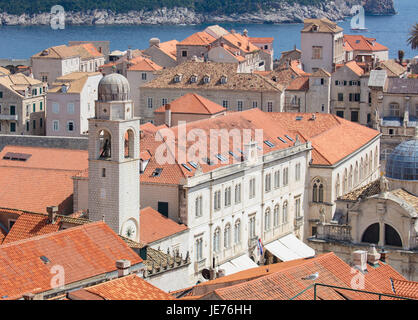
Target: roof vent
x,y
313,116
157,172
16,156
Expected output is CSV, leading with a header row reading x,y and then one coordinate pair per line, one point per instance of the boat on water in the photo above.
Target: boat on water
x,y
359,29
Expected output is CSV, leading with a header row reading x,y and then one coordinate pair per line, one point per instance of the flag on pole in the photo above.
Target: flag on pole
x,y
260,246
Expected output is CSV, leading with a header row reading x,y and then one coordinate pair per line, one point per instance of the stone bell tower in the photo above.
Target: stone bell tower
x,y
114,159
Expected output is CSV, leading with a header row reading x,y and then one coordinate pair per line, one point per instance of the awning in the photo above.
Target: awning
x,y
290,248
241,263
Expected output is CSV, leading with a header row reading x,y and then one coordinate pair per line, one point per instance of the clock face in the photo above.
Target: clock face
x,y
129,229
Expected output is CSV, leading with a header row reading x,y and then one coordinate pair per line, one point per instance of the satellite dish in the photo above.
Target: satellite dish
x,y
206,274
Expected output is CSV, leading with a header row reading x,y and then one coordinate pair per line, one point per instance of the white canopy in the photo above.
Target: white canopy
x,y
238,264
290,248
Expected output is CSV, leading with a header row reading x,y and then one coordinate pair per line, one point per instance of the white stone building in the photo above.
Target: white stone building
x,y
71,102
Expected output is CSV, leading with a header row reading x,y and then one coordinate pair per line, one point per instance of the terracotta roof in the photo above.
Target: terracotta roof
x,y
130,287
287,283
4,71
57,52
29,225
332,138
363,192
394,69
261,40
321,73
405,288
143,64
215,70
18,83
324,26
193,103
46,158
154,226
409,198
75,81
247,120
84,252
241,42
361,43
299,84
169,48
353,66
86,51
198,39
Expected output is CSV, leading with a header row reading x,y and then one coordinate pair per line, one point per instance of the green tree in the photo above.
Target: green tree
x,y
413,39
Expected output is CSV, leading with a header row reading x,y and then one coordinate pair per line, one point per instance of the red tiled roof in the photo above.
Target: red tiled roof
x,y
287,283
169,48
29,225
130,287
198,39
353,66
193,103
332,138
154,226
143,64
83,252
261,40
361,43
299,84
405,288
241,42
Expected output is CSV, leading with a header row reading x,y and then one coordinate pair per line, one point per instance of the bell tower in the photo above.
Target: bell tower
x,y
114,159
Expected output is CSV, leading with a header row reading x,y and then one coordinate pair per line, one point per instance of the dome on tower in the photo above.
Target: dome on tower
x,y
402,163
113,87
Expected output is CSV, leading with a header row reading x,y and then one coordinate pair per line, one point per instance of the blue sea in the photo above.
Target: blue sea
x,y
20,42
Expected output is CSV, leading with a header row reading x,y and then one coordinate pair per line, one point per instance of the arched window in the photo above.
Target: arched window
x,y
361,170
337,186
372,233
217,240
227,236
237,232
105,145
376,158
276,215
317,191
129,144
345,181
284,212
267,217
392,237
371,162
356,173
350,179
366,166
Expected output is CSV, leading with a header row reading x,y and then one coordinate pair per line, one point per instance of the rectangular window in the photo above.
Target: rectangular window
x,y
55,125
255,104
34,124
252,227
285,176
27,125
70,126
12,127
41,122
316,52
70,108
164,101
354,116
40,105
12,110
1,94
149,103
55,107
228,197
225,104
198,247
217,200
357,97
252,188
144,76
269,106
34,107
238,193
267,186
239,105
184,53
340,113
297,172
340,96
277,179
163,208
297,208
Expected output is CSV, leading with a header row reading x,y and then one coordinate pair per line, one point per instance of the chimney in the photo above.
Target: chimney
x,y
52,214
130,54
383,255
64,88
154,42
373,256
313,116
245,33
359,258
123,267
168,115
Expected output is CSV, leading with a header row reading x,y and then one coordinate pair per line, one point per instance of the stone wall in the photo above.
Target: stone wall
x,y
45,142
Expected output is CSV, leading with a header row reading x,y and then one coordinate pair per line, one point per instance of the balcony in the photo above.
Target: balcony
x,y
298,222
339,232
8,117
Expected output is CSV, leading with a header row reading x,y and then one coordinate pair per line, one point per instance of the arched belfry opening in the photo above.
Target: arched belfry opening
x,y
129,144
105,145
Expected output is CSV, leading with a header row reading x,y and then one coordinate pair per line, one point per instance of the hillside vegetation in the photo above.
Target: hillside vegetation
x,y
199,6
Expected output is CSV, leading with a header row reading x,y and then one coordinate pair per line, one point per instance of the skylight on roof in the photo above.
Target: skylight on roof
x,y
233,154
288,137
282,140
186,167
221,157
193,164
267,142
16,156
44,259
208,161
157,172
298,118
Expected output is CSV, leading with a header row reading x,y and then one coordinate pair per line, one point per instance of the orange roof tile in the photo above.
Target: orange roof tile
x,y
193,103
361,43
261,40
405,288
154,226
332,138
84,252
198,39
143,64
299,84
353,66
130,287
288,282
241,42
169,48
29,225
